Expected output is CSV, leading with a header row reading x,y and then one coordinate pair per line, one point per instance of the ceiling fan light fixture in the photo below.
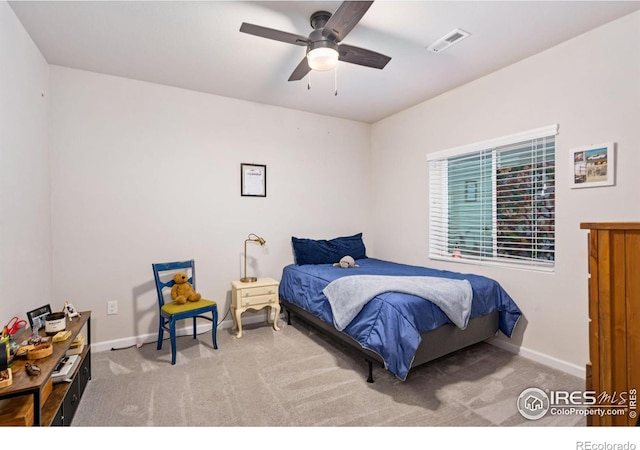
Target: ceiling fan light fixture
x,y
322,58
323,45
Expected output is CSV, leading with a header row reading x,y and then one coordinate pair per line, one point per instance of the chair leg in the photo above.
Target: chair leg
x,y
194,327
160,333
172,332
214,329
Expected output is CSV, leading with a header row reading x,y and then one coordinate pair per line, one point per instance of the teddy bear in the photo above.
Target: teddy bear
x,y
182,291
346,262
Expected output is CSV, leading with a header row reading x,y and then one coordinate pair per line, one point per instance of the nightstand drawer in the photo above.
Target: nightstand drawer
x,y
258,300
257,291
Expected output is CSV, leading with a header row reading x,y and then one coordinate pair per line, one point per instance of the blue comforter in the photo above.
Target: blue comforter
x,y
390,324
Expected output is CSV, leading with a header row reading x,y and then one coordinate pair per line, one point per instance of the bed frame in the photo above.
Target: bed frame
x,y
435,343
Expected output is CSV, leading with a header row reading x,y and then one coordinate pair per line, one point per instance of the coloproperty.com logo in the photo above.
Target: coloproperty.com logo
x,y
534,403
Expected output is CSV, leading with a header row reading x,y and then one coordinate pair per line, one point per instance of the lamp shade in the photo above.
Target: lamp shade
x,y
322,58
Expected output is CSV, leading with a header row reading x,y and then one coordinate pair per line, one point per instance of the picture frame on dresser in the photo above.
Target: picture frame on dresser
x,y
70,310
38,314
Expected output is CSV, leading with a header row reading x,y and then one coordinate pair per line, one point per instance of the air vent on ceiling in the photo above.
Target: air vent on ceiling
x,y
448,40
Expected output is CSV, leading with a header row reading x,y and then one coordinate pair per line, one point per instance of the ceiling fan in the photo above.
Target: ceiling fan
x,y
324,47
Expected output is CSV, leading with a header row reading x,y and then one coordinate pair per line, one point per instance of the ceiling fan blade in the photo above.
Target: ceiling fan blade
x,y
361,56
276,35
344,19
300,71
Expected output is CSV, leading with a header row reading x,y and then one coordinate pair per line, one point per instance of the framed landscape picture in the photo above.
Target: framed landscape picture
x,y
593,166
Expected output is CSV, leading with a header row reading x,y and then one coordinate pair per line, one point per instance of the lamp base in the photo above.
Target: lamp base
x,y
248,280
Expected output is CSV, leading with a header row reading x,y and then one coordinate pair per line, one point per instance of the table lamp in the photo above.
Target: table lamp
x,y
251,238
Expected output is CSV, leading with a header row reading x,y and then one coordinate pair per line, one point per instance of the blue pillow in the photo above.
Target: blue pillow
x,y
310,251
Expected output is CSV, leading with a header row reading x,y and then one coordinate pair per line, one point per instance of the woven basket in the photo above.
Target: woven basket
x,y
40,351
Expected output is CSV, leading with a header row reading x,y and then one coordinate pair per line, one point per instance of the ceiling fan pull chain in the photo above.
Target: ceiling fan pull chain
x,y
335,81
309,81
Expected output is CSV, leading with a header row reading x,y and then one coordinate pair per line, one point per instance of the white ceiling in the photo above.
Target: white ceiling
x,y
197,45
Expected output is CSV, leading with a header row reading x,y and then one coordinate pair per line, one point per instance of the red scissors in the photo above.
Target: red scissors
x,y
15,325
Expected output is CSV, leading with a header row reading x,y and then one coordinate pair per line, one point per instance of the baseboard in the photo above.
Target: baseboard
x,y
150,338
547,360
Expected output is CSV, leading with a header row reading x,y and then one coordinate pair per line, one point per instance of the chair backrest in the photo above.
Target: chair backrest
x,y
160,269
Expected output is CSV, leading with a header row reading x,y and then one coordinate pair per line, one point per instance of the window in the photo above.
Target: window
x,y
493,202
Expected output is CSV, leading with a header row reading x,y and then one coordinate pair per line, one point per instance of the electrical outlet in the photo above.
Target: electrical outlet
x,y
112,307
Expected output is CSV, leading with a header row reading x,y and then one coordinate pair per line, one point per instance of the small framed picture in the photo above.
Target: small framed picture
x,y
37,316
70,310
253,180
593,166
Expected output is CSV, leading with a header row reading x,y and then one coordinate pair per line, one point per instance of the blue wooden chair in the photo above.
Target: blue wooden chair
x,y
171,312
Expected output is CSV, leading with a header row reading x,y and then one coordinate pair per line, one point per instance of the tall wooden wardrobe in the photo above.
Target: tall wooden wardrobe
x,y
614,312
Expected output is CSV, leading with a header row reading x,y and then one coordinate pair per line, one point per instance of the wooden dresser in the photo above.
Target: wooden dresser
x,y
37,400
614,312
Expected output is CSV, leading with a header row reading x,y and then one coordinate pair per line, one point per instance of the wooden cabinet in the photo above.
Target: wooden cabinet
x,y
614,312
256,295
59,406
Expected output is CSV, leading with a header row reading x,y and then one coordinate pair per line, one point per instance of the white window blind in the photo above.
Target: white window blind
x,y
493,202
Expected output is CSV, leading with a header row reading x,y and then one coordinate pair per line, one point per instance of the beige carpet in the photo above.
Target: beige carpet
x,y
297,377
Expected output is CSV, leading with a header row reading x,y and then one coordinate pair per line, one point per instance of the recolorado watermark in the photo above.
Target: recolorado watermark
x,y
589,445
535,403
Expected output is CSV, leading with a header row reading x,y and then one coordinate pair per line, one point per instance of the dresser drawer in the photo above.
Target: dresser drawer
x,y
70,403
258,291
258,300
85,372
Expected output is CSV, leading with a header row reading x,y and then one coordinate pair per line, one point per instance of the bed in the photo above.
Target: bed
x,y
397,327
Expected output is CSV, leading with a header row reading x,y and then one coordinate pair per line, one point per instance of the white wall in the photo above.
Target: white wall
x,y
145,173
25,214
590,86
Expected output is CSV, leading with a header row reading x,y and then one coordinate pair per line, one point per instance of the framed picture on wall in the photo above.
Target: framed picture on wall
x,y
593,166
253,180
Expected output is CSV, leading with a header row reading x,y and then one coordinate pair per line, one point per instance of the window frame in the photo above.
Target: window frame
x,y
439,239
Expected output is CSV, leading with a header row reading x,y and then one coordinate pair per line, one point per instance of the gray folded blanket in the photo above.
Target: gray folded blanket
x,y
348,295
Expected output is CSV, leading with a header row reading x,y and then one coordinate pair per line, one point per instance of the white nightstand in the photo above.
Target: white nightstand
x,y
257,295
